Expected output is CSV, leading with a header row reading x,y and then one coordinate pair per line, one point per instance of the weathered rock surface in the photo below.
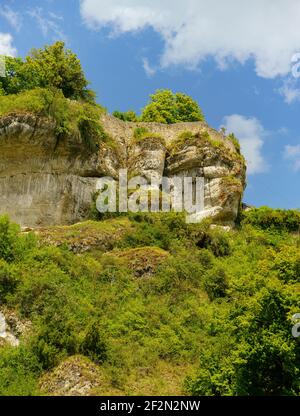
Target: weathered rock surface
x,y
44,181
12,328
6,337
76,376
143,261
87,235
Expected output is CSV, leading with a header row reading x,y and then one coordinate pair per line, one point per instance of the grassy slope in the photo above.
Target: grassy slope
x,y
150,300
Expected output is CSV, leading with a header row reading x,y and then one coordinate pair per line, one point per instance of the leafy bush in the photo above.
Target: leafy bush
x,y
13,246
147,234
255,357
167,107
140,132
8,239
56,334
19,369
53,66
287,264
93,345
126,116
268,218
217,241
216,283
177,272
8,280
229,313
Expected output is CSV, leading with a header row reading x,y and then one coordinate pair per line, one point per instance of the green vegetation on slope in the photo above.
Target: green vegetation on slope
x,y
71,117
166,308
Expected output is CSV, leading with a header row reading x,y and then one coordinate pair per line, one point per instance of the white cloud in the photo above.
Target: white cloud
x,y
289,90
293,153
150,71
48,23
251,134
193,30
13,18
6,46
283,131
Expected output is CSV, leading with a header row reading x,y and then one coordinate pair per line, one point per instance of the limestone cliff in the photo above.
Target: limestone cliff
x,y
46,181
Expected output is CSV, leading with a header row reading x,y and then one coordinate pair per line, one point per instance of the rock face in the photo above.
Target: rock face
x,y
46,181
77,376
12,328
7,337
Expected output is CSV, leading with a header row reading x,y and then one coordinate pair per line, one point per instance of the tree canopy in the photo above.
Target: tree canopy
x,y
165,107
126,116
53,66
168,107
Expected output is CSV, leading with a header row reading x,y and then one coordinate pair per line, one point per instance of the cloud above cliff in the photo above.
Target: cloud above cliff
x,y
6,45
194,30
251,134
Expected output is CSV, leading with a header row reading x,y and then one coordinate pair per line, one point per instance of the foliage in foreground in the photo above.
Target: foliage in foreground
x,y
215,312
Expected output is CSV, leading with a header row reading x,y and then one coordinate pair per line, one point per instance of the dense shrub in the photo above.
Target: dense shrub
x,y
13,246
287,264
216,283
268,218
126,116
8,280
257,356
167,107
19,370
179,272
93,345
53,66
217,241
229,313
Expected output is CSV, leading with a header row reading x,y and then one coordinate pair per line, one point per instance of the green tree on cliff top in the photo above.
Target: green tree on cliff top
x,y
168,107
53,66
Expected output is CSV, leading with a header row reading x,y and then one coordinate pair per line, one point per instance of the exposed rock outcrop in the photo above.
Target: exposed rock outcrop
x,y
46,181
76,376
6,337
86,235
12,328
143,261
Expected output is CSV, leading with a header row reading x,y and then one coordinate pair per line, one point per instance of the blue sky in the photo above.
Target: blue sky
x,y
235,61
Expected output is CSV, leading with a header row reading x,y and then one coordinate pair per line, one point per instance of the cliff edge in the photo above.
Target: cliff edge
x,y
49,181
